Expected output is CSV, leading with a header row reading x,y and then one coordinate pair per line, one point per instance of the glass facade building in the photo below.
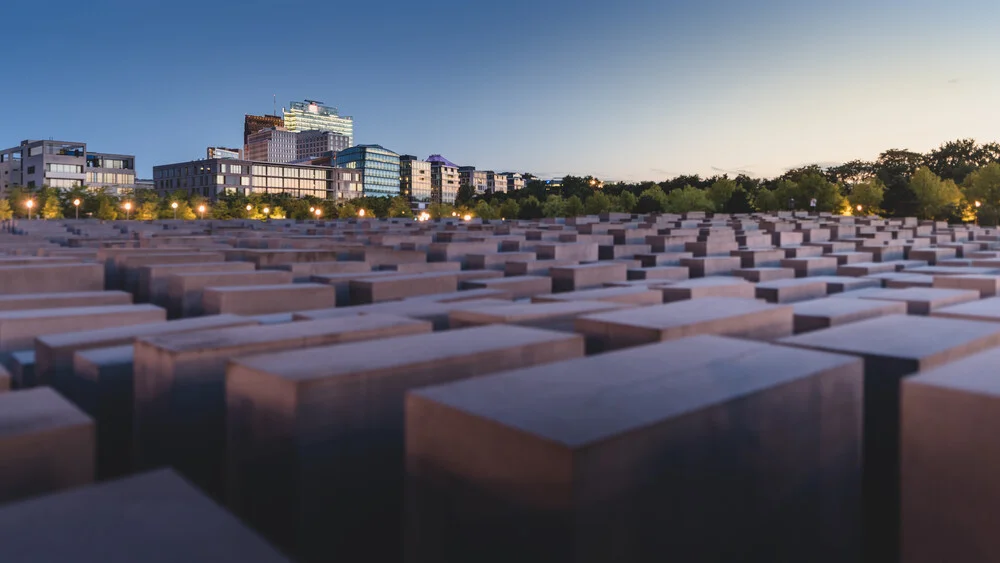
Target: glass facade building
x,y
379,168
311,115
64,165
444,179
215,177
415,178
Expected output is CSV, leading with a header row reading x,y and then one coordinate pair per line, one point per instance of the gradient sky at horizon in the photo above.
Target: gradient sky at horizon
x,y
635,90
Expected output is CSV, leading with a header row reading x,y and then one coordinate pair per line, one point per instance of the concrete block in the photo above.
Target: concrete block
x,y
764,274
18,329
52,278
46,445
761,258
497,261
987,286
707,287
711,265
637,296
317,474
987,310
659,273
434,312
22,301
662,259
813,266
179,393
104,387
534,267
519,287
393,288
587,276
185,291
923,301
790,291
825,313
155,517
152,281
555,315
267,299
746,318
512,467
859,269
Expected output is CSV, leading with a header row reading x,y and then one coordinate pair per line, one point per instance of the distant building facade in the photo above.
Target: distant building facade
x,y
444,179
311,115
469,176
310,144
415,178
64,165
222,152
379,168
274,144
216,177
496,182
255,123
514,181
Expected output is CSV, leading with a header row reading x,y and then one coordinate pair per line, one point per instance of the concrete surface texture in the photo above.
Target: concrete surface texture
x,y
624,387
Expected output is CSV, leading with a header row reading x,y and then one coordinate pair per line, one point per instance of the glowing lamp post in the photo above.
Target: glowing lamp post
x,y
361,213
174,207
128,208
249,208
267,210
859,209
978,203
201,209
76,204
29,204
467,217
318,213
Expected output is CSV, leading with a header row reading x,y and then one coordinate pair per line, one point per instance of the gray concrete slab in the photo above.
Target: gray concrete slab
x,y
829,312
18,329
267,299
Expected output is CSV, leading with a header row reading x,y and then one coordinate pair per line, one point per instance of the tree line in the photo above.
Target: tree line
x,y
959,181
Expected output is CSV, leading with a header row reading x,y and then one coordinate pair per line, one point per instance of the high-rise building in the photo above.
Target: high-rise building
x,y
272,145
311,115
313,143
255,123
214,177
64,165
222,152
415,178
469,176
379,168
495,182
444,179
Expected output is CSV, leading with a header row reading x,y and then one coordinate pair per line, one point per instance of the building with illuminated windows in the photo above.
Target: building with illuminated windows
x,y
469,176
444,179
415,178
379,168
496,182
212,178
64,165
223,152
274,144
311,115
255,123
515,181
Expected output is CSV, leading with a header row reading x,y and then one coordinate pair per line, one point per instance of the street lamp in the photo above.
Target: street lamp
x,y
318,213
76,204
361,212
978,203
201,209
467,217
128,208
859,209
174,207
267,210
312,210
249,208
30,204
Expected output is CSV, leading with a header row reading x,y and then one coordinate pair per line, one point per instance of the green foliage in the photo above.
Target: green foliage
x,y
147,211
598,203
510,210
107,210
554,206
652,200
465,195
51,209
688,198
933,195
345,211
484,211
625,202
983,186
721,191
868,195
531,208
5,210
766,201
574,206
400,207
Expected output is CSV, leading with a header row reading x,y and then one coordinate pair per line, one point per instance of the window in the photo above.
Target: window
x,y
31,170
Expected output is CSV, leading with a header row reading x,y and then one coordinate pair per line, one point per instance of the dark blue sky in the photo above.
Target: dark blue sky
x,y
630,90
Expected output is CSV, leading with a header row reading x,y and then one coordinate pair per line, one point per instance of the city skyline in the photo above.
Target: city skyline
x,y
644,93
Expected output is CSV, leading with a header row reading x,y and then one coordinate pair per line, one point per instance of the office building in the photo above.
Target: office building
x,y
223,152
64,165
311,115
379,168
215,177
314,143
469,176
255,123
274,144
415,178
444,179
495,182
514,181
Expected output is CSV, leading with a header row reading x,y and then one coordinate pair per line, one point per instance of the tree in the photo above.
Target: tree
x,y
400,207
721,191
483,211
574,207
688,198
933,196
5,210
510,210
107,210
346,211
626,202
51,209
440,210
766,201
868,195
531,208
651,200
598,203
554,206
277,212
983,186
466,193
147,211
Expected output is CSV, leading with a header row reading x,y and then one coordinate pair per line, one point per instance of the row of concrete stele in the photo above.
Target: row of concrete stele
x,y
617,388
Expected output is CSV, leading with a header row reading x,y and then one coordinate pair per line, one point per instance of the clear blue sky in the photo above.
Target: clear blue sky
x,y
634,90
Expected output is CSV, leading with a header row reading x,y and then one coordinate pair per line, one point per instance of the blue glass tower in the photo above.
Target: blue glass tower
x,y
379,168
